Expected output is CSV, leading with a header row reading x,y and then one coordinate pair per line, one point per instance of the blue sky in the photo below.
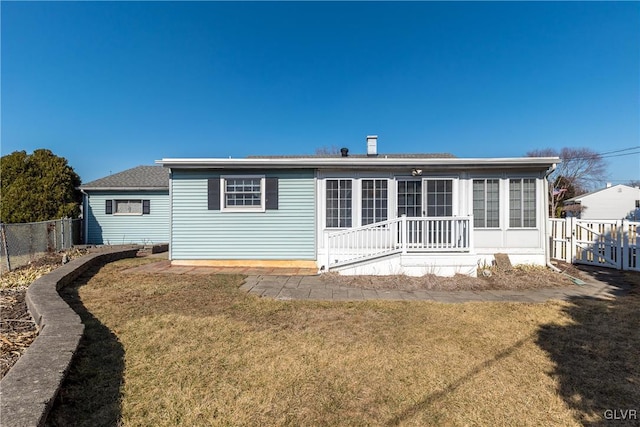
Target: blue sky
x,y
112,85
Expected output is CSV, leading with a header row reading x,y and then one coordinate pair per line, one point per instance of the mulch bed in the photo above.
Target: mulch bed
x,y
494,278
17,328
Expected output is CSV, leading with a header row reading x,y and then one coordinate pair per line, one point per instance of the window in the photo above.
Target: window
x,y
243,193
410,198
338,197
127,207
486,203
440,197
374,200
522,203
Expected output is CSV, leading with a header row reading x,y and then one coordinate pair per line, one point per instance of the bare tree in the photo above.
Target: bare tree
x,y
580,171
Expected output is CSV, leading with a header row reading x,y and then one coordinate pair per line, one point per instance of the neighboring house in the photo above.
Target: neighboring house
x,y
127,207
362,214
614,202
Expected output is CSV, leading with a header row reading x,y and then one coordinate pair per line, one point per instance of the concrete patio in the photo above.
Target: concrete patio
x,y
304,284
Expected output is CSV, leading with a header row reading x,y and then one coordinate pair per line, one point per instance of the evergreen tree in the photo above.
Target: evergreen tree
x,y
37,187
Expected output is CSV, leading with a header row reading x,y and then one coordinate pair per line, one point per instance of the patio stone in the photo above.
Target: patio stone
x,y
289,283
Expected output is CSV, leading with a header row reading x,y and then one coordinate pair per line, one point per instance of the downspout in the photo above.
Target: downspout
x,y
85,215
547,232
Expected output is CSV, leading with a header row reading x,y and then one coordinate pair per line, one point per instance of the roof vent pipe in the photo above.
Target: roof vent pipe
x,y
372,145
344,152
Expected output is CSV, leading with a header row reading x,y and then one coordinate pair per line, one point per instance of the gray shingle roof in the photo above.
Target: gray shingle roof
x,y
140,177
382,156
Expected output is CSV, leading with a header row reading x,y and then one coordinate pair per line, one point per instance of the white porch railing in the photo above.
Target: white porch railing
x,y
399,235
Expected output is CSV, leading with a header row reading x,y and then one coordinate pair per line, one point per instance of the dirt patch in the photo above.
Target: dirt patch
x,y
515,278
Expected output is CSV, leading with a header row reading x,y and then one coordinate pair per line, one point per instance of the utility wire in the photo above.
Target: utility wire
x,y
606,154
620,155
624,149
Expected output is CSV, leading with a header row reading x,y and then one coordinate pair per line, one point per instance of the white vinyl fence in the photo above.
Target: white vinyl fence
x,y
606,243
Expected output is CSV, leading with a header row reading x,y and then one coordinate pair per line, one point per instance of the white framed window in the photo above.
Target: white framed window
x,y
375,200
486,203
127,207
439,194
339,203
243,193
522,203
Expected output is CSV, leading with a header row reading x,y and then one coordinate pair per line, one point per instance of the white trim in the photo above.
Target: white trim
x,y
170,215
115,207
455,195
536,186
349,163
223,190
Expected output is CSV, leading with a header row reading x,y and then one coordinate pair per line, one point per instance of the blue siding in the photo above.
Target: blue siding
x,y
124,229
285,233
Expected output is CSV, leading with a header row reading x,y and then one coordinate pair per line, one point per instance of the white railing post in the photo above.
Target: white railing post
x,y
403,233
469,233
571,253
624,245
327,251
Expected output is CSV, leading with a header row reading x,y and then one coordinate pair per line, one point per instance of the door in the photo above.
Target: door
x,y
431,198
438,202
410,204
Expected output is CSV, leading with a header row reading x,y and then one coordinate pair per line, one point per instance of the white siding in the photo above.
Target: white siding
x,y
617,202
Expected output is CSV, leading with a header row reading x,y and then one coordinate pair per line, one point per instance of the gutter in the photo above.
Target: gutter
x,y
123,188
359,163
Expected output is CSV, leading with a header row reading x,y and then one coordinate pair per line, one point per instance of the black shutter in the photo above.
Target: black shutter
x,y
213,194
146,207
108,207
271,193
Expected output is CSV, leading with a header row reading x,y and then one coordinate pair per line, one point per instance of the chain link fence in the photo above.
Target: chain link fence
x,y
22,243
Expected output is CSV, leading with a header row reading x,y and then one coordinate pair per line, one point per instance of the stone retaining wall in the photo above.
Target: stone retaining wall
x,y
29,389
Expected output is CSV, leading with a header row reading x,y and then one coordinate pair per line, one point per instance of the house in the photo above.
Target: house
x,y
127,207
359,214
613,202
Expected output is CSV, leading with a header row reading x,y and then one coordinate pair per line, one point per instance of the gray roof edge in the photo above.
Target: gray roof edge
x,y
143,176
82,187
352,162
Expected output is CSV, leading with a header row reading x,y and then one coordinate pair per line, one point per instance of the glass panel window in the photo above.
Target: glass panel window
x,y
128,207
243,192
522,203
374,200
338,202
410,198
486,203
439,197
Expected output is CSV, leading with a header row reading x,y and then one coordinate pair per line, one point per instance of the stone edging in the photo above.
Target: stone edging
x,y
28,390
